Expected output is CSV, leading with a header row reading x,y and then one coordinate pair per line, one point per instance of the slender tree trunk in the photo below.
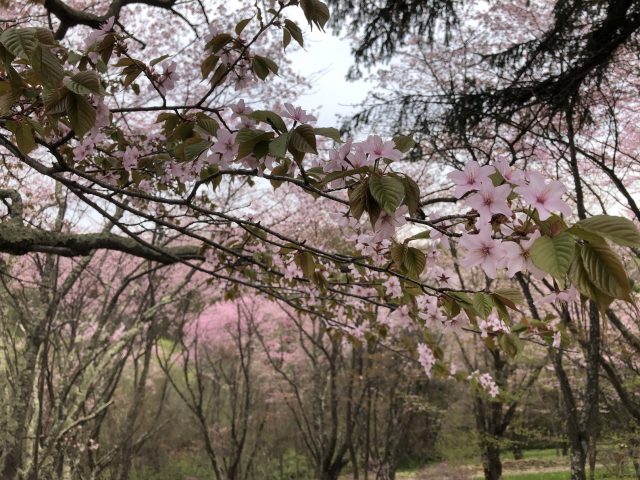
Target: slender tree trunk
x,y
12,460
491,463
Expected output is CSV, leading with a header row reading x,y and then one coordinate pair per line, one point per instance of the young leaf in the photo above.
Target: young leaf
x,y
24,137
316,12
553,255
262,66
329,132
404,143
606,271
387,191
414,261
270,118
303,139
483,304
295,31
84,83
19,41
617,229
305,261
47,66
278,147
242,24
412,194
81,114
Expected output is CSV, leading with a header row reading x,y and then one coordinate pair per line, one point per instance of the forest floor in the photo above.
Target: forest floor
x,y
537,465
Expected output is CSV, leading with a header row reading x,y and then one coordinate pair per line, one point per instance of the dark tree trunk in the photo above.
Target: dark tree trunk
x,y
491,463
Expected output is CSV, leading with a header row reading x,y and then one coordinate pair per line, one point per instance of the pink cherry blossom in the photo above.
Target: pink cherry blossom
x,y
470,178
516,177
297,114
226,146
545,197
376,148
337,157
392,287
518,259
96,36
130,158
482,250
490,200
359,158
386,225
426,358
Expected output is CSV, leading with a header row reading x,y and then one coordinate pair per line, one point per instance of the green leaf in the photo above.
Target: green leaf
x,y
483,304
55,101
262,66
316,12
84,83
606,271
414,261
295,31
207,124
219,41
47,66
387,191
240,26
404,143
357,198
19,41
193,148
286,38
397,252
81,114
511,344
509,296
425,235
278,147
330,177
412,194
248,138
303,139
269,117
581,280
307,264
617,229
157,60
329,132
208,65
24,137
553,255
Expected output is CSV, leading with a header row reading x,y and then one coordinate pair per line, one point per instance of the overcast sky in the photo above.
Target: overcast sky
x,y
327,59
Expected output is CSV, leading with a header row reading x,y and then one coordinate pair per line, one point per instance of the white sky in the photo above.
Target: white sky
x,y
326,59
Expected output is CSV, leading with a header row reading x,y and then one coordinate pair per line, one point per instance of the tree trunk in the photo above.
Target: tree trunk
x,y
578,462
491,463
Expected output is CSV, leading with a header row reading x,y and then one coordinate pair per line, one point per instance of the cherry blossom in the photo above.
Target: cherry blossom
x,y
226,146
490,200
482,250
337,157
376,148
426,358
359,158
130,158
392,287
96,36
387,225
545,197
470,178
518,259
298,114
516,177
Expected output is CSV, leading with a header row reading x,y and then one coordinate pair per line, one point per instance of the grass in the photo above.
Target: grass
x,y
539,476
